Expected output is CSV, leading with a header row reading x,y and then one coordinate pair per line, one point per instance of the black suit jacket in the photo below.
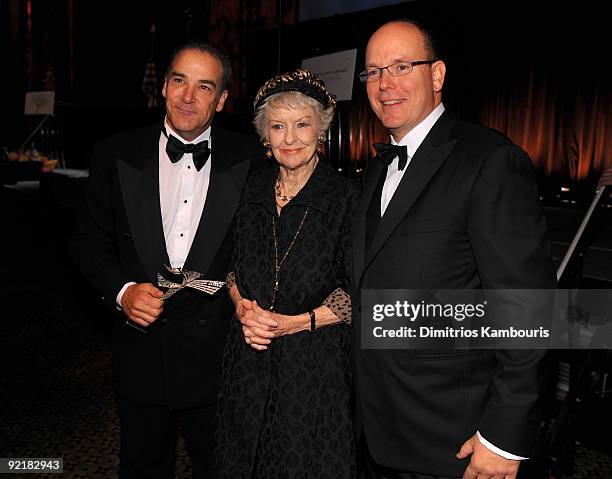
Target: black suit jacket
x,y
465,215
120,238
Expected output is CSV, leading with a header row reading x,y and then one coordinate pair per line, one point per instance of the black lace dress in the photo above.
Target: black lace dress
x,y
286,412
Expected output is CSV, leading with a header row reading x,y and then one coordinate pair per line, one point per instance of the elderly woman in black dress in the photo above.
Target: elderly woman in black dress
x,y
285,401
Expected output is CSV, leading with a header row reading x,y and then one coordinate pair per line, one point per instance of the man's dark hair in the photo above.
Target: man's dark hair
x,y
429,39
226,65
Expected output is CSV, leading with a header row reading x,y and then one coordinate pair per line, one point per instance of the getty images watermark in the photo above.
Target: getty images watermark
x,y
486,319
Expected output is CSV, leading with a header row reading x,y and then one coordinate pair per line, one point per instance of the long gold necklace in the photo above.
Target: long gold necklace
x,y
278,264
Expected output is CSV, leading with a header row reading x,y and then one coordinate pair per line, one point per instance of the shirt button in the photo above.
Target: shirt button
x,y
181,235
185,201
202,322
189,167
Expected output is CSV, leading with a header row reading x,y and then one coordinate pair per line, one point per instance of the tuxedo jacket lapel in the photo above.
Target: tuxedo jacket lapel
x,y
374,172
139,179
428,158
222,200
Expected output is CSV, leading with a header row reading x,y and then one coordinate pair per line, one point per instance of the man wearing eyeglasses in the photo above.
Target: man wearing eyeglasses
x,y
446,205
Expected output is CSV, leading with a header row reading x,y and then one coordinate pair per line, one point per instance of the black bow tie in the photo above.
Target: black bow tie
x,y
386,152
176,149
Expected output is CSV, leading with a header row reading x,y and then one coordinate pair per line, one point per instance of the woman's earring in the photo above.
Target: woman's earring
x,y
322,139
266,145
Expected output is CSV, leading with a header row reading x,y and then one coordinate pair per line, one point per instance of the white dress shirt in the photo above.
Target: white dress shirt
x,y
412,140
182,194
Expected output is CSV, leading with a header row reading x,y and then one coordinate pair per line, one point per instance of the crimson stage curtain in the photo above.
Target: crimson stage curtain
x,y
565,129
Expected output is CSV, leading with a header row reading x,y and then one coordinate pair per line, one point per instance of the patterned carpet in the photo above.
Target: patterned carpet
x,y
56,378
56,398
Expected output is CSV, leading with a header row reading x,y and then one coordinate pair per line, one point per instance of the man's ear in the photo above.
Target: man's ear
x,y
438,72
221,101
164,88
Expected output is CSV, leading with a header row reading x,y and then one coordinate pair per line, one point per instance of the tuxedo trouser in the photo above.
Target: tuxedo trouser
x,y
148,439
372,470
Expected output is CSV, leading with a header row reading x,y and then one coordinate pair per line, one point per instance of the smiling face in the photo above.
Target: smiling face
x,y
293,134
192,93
402,102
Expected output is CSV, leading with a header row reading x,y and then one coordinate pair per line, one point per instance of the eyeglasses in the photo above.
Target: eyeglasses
x,y
396,69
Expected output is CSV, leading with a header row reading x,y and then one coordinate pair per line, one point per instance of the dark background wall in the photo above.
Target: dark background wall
x,y
509,64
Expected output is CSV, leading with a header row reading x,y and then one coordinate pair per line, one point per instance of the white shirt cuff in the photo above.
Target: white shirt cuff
x,y
497,450
120,294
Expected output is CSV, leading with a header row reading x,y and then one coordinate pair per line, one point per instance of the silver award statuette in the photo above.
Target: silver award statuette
x,y
175,279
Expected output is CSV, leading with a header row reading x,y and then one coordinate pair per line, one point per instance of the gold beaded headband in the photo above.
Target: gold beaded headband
x,y
301,80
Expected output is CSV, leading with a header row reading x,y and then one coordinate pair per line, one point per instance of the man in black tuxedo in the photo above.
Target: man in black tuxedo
x,y
454,206
157,196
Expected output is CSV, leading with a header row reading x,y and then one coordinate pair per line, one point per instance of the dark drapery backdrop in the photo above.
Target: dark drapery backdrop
x,y
567,133
540,77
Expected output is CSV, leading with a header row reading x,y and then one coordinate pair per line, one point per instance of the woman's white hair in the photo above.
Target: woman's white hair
x,y
291,99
